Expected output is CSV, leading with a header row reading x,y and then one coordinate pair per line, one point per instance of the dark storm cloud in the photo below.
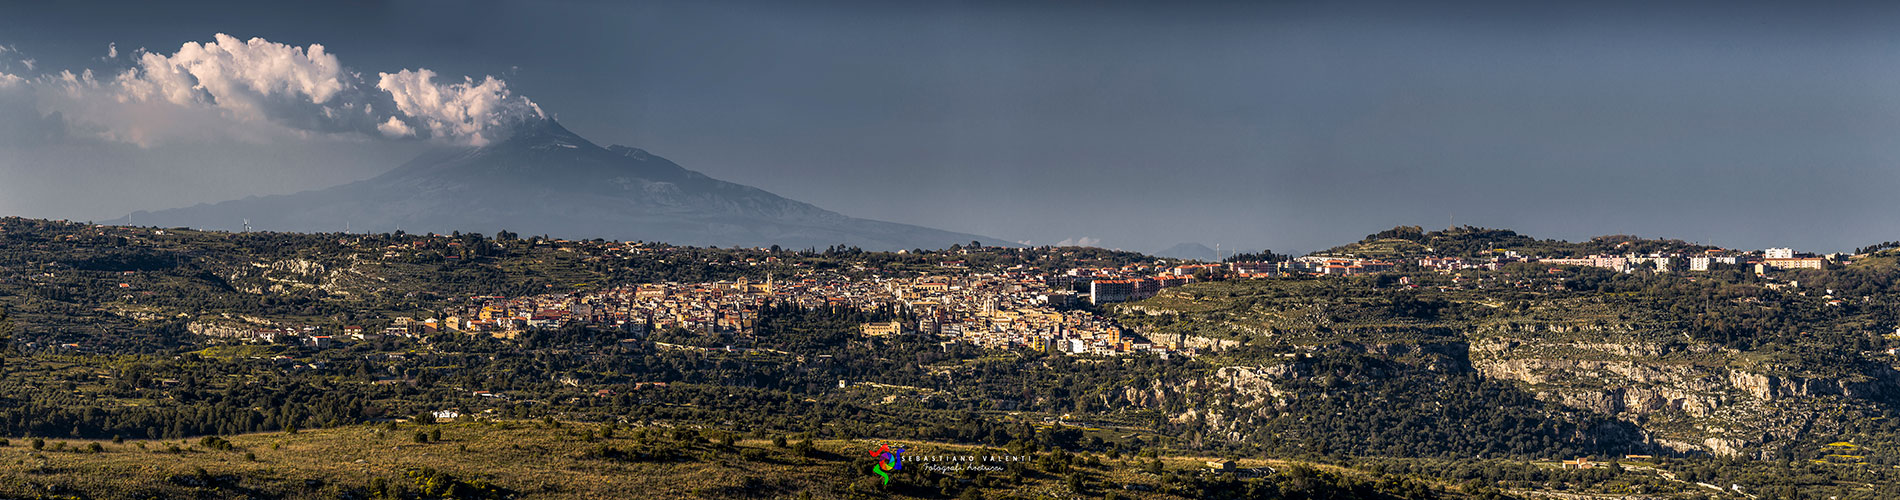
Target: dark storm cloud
x,y
1291,125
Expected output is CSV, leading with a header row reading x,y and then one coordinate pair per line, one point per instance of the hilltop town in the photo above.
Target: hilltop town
x,y
994,307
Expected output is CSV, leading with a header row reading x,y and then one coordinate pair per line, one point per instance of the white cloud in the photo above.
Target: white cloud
x,y
112,50
395,127
257,89
1079,242
239,76
467,109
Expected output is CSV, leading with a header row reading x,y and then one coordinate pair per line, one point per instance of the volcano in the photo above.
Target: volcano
x,y
546,180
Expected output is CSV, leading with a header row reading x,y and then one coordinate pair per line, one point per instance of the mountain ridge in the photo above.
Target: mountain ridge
x,y
1189,250
547,180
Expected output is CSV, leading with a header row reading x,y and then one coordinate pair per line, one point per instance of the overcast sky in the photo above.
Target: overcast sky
x,y
1289,125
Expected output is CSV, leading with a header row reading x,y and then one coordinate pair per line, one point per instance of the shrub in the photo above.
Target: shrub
x,y
433,483
215,443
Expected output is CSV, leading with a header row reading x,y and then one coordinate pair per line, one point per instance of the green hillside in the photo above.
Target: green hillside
x,y
1412,383
1468,241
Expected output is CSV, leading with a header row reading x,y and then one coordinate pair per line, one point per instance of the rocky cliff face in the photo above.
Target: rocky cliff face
x,y
1691,398
1686,398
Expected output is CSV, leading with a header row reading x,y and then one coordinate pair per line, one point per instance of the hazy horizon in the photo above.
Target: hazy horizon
x,y
1288,126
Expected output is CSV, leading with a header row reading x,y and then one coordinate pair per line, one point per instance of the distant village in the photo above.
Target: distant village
x,y
1011,309
1761,262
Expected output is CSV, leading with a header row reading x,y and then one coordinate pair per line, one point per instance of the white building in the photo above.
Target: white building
x,y
1778,253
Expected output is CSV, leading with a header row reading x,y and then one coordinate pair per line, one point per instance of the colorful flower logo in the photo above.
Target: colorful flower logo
x,y
888,460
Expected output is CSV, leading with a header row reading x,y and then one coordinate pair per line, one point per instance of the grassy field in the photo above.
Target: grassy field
x,y
518,459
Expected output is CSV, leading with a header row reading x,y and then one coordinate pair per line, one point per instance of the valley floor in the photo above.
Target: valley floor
x,y
534,459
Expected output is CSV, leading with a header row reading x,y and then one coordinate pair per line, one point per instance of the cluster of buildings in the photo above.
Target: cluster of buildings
x,y
1002,311
1761,262
1014,311
1009,310
1338,266
1014,308
1136,282
725,306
